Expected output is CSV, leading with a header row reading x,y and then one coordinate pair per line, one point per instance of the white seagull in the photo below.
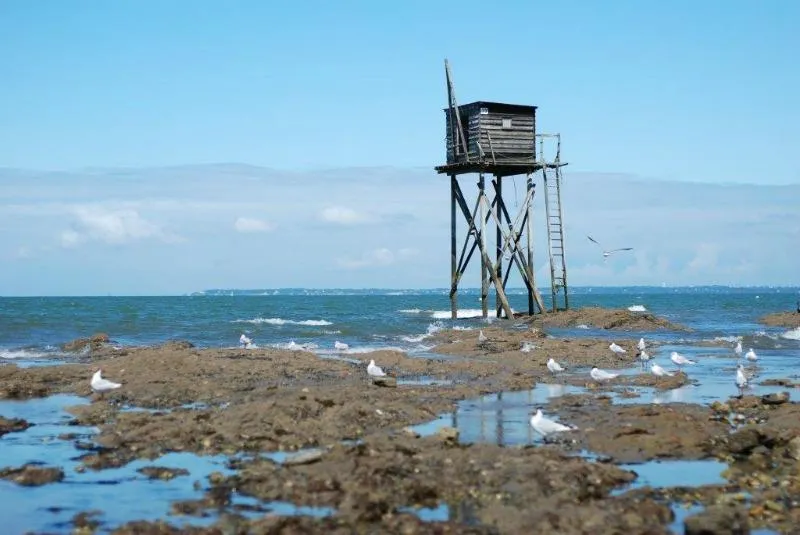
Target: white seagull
x,y
554,366
245,342
101,385
641,345
751,355
658,371
616,349
340,346
481,336
606,254
741,379
374,371
527,347
601,375
738,349
679,359
643,357
545,426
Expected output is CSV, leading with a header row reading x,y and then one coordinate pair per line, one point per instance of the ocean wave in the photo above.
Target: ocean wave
x,y
793,334
281,321
637,308
433,328
463,313
13,354
410,311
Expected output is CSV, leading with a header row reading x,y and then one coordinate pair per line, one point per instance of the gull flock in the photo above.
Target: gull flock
x,y
541,424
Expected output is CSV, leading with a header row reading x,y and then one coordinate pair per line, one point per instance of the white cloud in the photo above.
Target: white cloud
x,y
342,215
97,223
376,257
248,224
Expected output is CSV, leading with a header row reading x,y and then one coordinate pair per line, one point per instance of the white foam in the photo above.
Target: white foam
x,y
370,349
793,334
281,321
11,354
463,313
410,311
582,326
637,308
433,328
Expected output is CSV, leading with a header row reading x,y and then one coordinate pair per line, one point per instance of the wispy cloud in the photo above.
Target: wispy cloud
x,y
376,257
341,215
249,224
115,227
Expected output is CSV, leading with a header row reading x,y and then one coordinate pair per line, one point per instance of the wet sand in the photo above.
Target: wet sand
x,y
368,466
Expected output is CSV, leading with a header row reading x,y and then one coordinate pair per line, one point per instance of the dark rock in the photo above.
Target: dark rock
x,y
162,472
12,425
718,519
32,476
177,345
778,398
94,343
744,440
389,382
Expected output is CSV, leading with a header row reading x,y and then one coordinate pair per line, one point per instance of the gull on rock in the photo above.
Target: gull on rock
x,y
680,360
527,347
751,355
374,371
340,346
643,357
601,375
101,385
616,349
481,336
658,371
738,349
641,345
554,366
545,426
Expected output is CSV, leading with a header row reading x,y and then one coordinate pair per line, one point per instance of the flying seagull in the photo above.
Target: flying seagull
x,y
606,254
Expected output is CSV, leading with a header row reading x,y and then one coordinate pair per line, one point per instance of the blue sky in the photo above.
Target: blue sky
x,y
644,92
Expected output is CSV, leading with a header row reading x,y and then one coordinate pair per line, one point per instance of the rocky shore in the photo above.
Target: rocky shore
x,y
360,459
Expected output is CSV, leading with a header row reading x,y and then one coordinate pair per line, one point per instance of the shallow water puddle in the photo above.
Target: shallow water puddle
x,y
676,473
121,494
502,418
440,513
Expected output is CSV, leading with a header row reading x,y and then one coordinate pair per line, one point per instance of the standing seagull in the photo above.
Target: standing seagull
x,y
101,385
481,337
616,349
245,342
374,371
680,360
643,357
641,345
606,254
601,376
741,379
738,349
554,366
751,355
545,426
658,371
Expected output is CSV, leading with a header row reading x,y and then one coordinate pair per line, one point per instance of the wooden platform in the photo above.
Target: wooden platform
x,y
505,168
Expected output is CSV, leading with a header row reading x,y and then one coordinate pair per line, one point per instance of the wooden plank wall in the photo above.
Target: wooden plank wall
x,y
516,142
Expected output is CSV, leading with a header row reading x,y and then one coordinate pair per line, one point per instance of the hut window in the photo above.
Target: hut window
x,y
507,123
484,111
